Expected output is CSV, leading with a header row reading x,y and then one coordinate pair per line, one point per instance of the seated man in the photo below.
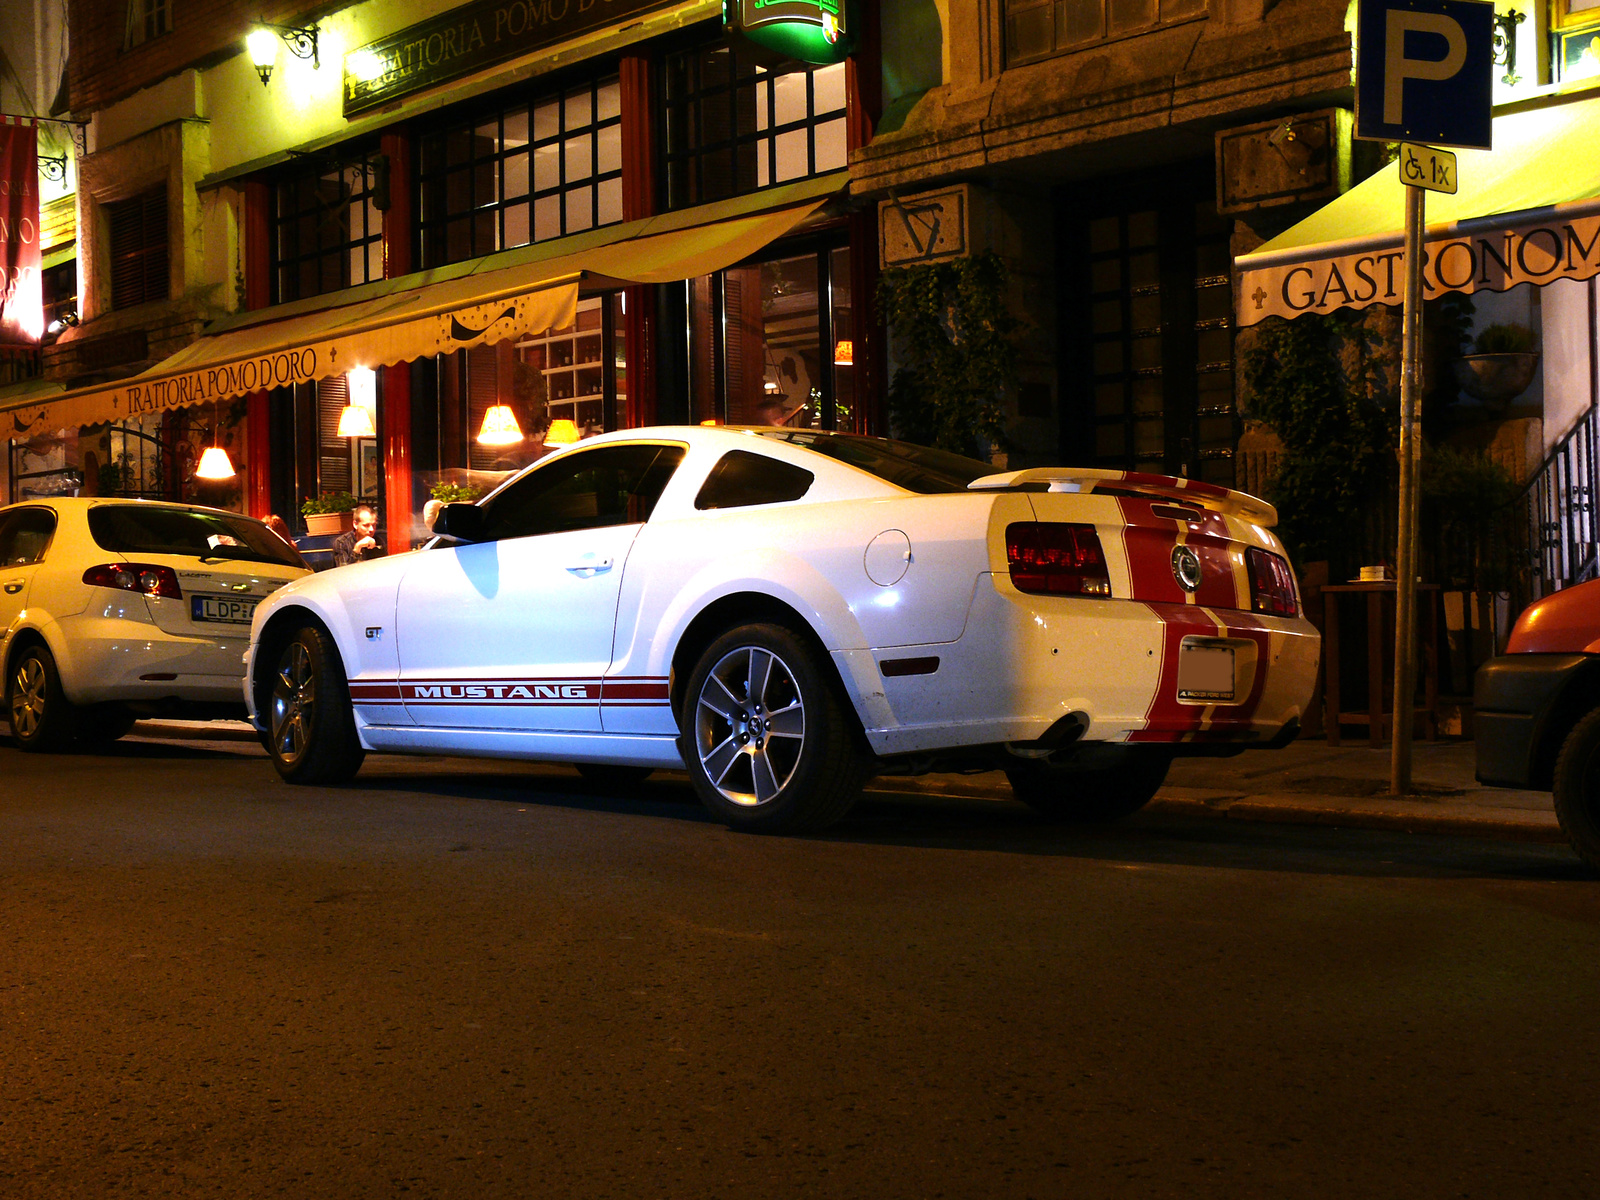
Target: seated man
x,y
358,544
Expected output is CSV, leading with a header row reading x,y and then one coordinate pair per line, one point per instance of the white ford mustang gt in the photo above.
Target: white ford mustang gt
x,y
787,613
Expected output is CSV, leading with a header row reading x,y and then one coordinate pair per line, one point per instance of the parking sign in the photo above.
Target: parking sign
x,y
1425,71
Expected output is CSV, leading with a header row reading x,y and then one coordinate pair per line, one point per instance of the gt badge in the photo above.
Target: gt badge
x,y
1186,568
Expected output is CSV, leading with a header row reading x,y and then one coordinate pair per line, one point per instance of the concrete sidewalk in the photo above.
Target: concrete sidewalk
x,y
1312,783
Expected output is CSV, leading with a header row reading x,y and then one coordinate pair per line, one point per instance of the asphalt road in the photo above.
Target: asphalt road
x,y
477,979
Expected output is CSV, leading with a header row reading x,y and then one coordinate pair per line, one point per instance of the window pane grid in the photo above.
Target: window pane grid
x,y
327,229
528,173
732,127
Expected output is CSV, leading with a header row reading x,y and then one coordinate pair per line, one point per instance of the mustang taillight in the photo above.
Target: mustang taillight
x,y
136,577
1057,559
1271,584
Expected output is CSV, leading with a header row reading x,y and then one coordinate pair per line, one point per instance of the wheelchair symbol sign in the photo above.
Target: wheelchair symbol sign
x,y
1425,167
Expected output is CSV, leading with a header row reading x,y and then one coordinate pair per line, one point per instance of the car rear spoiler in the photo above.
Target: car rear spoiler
x,y
1168,487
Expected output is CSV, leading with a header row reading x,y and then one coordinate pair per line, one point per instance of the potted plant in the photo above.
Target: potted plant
x,y
1502,367
332,512
454,493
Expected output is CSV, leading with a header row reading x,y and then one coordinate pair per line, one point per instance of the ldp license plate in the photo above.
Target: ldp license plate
x,y
226,609
1205,673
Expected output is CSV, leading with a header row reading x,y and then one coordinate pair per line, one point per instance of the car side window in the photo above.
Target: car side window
x,y
25,536
741,479
585,489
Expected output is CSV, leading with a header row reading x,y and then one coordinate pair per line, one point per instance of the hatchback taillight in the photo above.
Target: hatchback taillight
x,y
136,577
1057,559
1271,584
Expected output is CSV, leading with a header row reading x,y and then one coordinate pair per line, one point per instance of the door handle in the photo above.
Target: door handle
x,y
13,588
589,565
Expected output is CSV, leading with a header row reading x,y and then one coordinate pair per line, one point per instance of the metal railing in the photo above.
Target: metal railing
x,y
1559,507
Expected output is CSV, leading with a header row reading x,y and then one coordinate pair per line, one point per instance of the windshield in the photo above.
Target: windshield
x,y
916,468
214,536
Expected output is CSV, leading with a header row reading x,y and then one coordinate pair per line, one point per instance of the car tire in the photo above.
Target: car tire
x,y
767,740
42,718
1061,792
311,728
612,776
1577,789
103,724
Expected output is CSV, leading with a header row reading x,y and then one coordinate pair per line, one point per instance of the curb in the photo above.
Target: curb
x,y
1392,816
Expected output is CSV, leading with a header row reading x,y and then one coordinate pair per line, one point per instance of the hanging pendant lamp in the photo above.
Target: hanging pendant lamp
x,y
214,461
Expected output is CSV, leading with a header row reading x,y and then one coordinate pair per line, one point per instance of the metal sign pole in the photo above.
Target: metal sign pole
x,y
1405,591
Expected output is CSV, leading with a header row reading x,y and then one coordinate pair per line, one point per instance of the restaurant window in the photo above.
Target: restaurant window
x,y
561,385
1037,29
772,343
327,227
137,229
522,173
730,126
344,464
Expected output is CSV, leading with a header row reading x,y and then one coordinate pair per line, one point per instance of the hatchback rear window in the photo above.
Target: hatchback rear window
x,y
136,529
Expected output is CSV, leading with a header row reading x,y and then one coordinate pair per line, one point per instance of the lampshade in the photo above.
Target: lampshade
x,y
562,432
355,422
500,427
844,354
263,47
214,464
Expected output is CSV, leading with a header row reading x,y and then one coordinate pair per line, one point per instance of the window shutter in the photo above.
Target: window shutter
x,y
139,263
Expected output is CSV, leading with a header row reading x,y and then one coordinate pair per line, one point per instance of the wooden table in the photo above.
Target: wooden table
x,y
1378,720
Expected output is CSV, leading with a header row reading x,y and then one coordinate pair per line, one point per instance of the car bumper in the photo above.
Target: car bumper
x,y
1512,697
107,659
1026,663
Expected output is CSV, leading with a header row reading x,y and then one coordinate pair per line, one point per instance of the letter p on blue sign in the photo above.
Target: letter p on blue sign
x,y
1425,71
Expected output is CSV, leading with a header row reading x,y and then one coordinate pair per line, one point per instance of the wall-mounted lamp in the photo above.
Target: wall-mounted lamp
x,y
500,427
844,354
66,320
1505,44
562,432
262,43
355,419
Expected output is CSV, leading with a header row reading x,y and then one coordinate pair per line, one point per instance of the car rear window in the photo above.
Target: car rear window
x,y
136,529
919,469
741,479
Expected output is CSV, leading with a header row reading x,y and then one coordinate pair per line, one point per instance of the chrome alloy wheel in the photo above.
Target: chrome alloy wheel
x,y
294,703
750,725
28,697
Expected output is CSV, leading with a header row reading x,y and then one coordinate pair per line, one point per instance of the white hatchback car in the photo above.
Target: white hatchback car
x,y
111,609
785,613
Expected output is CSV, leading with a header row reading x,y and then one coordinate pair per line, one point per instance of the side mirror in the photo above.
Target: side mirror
x,y
460,523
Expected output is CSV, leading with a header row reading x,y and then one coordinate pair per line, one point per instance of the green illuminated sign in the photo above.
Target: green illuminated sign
x,y
813,31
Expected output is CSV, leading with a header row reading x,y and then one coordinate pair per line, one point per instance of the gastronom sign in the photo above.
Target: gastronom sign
x,y
472,37
1538,250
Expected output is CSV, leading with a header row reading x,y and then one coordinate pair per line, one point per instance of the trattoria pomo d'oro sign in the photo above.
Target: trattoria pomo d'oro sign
x,y
472,37
1496,259
812,31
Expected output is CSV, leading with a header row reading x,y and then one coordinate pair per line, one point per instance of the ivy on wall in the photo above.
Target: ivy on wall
x,y
1339,439
957,344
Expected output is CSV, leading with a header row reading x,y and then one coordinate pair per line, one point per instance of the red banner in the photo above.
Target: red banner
x,y
21,301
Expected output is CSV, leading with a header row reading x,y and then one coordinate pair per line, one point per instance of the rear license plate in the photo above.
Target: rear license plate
x,y
226,609
1205,672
